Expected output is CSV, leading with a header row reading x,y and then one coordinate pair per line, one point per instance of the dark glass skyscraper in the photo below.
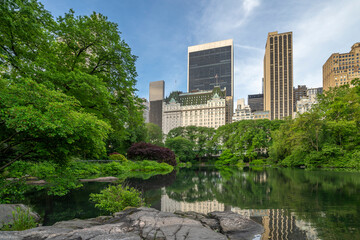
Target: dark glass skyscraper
x,y
211,65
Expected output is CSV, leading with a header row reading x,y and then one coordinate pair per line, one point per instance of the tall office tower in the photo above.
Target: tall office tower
x,y
278,75
341,68
210,65
156,96
256,102
299,92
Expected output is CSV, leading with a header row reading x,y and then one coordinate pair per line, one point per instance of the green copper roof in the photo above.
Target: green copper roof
x,y
195,98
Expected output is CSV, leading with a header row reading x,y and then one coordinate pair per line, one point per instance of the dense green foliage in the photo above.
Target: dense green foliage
x,y
117,157
154,134
67,86
182,147
117,198
201,137
22,220
240,142
328,135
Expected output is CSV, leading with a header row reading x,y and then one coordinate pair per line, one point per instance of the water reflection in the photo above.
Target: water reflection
x,y
278,223
290,203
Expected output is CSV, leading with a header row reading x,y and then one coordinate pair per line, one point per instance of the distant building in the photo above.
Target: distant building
x,y
305,103
197,108
146,110
261,115
256,102
211,65
299,93
242,111
278,75
156,96
341,68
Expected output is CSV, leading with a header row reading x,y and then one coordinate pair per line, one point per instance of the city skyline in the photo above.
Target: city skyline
x,y
159,33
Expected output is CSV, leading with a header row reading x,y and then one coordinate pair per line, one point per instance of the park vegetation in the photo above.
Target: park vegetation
x,y
67,86
326,136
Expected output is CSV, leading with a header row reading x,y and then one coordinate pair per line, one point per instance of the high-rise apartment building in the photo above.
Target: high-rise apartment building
x,y
256,102
341,68
156,97
278,75
211,65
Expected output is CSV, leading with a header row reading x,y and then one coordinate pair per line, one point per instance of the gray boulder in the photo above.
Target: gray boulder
x,y
146,223
6,211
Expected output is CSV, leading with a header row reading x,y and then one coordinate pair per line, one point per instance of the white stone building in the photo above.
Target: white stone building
x,y
305,103
197,108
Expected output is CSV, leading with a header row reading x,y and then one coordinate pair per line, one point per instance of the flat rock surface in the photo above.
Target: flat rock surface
x,y
146,223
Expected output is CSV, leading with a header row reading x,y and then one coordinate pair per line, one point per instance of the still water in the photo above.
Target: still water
x,y
289,203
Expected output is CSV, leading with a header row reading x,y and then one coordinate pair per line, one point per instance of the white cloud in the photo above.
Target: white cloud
x,y
328,27
219,20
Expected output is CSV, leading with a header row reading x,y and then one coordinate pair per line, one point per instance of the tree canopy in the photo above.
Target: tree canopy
x,y
67,85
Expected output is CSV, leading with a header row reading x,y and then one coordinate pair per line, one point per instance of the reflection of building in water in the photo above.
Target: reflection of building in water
x,y
170,205
279,224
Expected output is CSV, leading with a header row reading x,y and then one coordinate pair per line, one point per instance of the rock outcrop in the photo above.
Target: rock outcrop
x,y
6,213
147,223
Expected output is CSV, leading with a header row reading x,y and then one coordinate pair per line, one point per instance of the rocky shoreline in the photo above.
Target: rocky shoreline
x,y
146,223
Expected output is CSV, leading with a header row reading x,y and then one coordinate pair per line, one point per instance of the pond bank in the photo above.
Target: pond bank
x,y
147,223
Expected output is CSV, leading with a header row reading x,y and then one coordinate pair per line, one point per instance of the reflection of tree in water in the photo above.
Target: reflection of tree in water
x,y
196,184
329,200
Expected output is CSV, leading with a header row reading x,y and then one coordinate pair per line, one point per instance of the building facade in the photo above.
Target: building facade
x,y
305,103
210,65
299,92
156,97
242,111
256,102
278,75
341,68
198,108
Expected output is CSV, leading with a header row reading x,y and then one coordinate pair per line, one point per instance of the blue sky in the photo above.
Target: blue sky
x,y
159,32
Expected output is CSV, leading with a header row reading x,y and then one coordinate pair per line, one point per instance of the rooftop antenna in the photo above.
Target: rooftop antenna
x,y
216,77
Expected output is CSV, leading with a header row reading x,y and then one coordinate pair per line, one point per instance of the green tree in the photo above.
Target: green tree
x,y
36,120
79,57
154,134
182,147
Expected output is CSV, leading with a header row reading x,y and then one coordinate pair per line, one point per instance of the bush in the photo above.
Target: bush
x,y
22,220
227,158
147,151
258,162
117,198
117,157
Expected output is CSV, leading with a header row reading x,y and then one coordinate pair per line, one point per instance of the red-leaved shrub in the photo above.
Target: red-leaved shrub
x,y
148,151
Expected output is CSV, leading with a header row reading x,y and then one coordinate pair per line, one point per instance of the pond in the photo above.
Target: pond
x,y
289,203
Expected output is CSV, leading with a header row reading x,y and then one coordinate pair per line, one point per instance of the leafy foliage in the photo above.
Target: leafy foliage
x,y
117,198
154,134
147,151
22,220
327,136
182,147
67,86
117,157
